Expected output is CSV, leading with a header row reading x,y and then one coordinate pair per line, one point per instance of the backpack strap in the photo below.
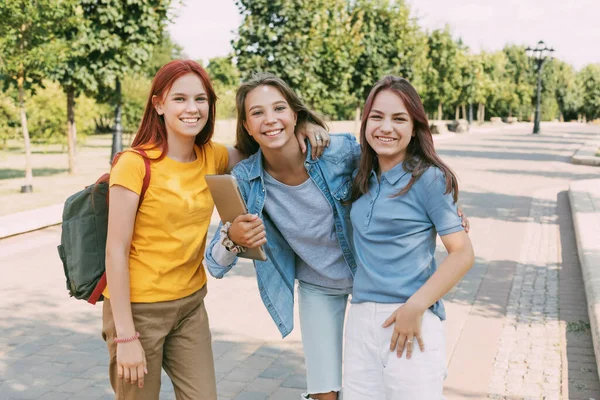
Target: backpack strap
x,y
102,282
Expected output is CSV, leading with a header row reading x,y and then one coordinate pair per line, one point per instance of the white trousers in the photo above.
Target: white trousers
x,y
372,372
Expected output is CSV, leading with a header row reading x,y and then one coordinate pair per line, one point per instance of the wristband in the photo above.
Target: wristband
x,y
127,339
227,242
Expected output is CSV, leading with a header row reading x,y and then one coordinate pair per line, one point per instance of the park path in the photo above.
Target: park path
x,y
517,324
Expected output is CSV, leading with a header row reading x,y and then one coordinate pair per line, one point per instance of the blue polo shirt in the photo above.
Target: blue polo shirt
x,y
394,237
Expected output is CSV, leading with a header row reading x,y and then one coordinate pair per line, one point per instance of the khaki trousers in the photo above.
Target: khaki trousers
x,y
175,335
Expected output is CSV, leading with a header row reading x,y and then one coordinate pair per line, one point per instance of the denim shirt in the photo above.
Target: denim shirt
x,y
332,174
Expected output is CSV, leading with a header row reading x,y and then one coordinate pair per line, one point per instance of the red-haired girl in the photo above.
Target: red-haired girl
x,y
154,315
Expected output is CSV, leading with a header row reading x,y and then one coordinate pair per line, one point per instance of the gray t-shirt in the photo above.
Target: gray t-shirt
x,y
305,219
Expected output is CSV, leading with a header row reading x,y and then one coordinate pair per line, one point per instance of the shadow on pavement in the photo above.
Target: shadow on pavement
x,y
494,205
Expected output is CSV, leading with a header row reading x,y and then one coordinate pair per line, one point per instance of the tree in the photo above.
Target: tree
x,y
589,81
311,44
391,42
520,76
442,78
121,37
75,72
29,47
568,91
167,50
226,79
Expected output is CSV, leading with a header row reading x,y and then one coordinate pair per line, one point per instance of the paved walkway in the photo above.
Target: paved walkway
x,y
517,324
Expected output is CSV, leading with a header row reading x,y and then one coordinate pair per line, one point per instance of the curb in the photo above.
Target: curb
x,y
31,220
586,155
585,207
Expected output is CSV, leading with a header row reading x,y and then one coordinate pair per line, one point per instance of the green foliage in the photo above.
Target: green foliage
x,y
391,42
47,117
589,81
520,79
442,77
568,92
311,44
165,51
9,116
120,38
135,94
226,79
30,39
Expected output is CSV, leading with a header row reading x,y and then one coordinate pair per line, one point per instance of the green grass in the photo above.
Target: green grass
x,y
578,326
598,152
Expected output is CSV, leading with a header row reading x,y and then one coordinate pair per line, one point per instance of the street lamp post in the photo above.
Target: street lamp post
x,y
540,53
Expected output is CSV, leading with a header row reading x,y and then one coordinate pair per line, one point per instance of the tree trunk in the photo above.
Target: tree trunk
x,y
439,116
482,113
117,139
464,111
562,117
71,130
457,113
470,113
357,122
28,187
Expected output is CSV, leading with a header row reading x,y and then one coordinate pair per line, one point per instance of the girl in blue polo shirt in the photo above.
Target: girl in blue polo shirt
x,y
403,196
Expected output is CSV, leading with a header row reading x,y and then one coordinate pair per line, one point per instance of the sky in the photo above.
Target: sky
x,y
205,28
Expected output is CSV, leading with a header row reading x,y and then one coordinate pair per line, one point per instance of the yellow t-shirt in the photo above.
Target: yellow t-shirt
x,y
167,247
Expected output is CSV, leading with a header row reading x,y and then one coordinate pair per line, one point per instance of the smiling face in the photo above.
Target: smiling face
x,y
269,118
185,107
389,129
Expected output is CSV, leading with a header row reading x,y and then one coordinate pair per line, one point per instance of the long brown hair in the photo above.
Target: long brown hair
x,y
152,132
420,153
246,143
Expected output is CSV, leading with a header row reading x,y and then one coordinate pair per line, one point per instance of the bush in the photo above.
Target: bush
x,y
47,114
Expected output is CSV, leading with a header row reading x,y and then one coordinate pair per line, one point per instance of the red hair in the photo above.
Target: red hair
x,y
152,132
420,153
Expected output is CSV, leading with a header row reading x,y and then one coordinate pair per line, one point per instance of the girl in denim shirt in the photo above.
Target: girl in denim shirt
x,y
403,196
299,205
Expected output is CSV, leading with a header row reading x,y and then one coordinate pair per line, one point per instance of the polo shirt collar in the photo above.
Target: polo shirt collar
x,y
394,174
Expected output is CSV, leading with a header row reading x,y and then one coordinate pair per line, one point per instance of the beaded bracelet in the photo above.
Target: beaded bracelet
x,y
127,339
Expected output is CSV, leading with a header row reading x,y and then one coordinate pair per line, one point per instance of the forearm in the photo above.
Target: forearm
x,y
117,274
448,274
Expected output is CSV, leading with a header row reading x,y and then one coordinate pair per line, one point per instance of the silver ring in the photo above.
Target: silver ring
x,y
409,340
318,138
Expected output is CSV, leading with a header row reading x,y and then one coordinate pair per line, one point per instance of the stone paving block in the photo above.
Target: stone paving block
x,y
264,385
268,351
230,388
257,362
74,385
297,381
251,396
20,391
243,374
277,372
225,366
221,347
285,394
52,396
